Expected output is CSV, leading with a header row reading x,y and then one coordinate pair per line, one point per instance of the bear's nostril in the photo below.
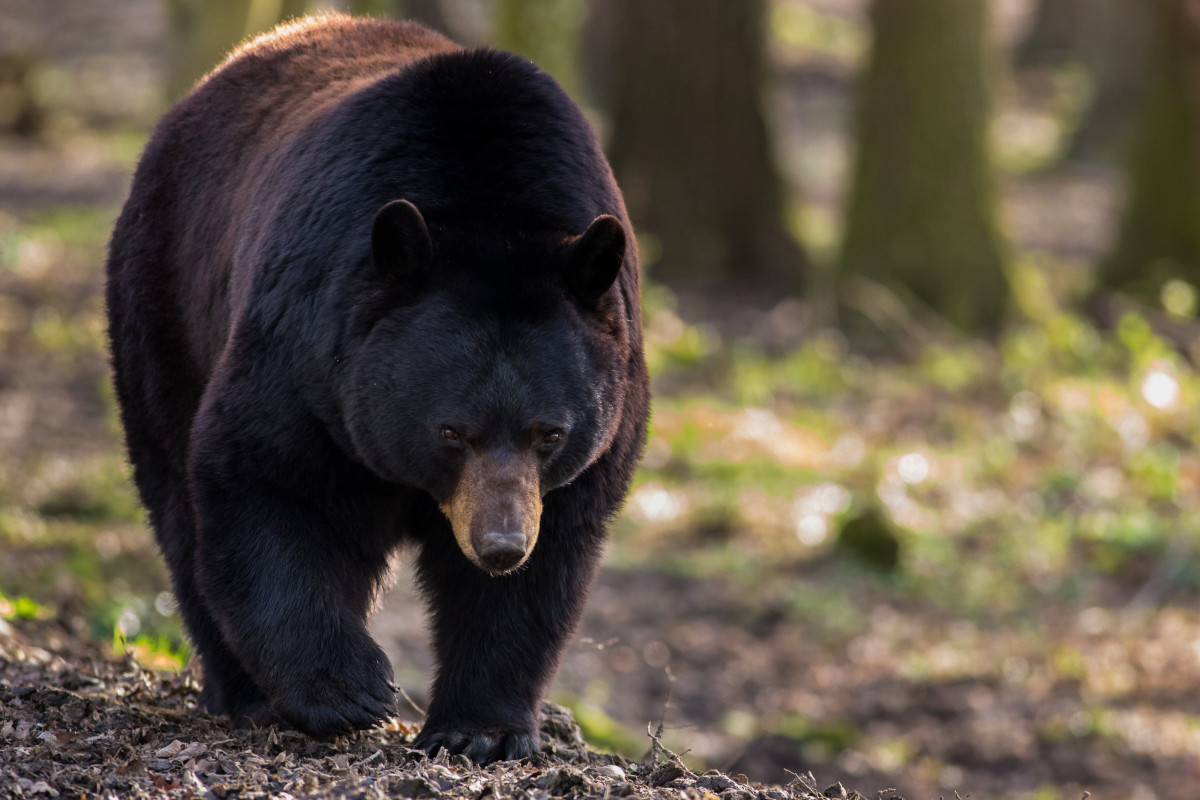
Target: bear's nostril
x,y
501,551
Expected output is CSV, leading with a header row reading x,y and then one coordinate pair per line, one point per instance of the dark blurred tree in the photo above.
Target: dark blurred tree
x,y
1053,38
1116,43
684,82
429,12
1111,40
204,31
544,31
1159,236
921,217
21,111
374,8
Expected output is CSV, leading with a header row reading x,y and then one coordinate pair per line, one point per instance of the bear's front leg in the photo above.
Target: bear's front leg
x,y
498,639
289,582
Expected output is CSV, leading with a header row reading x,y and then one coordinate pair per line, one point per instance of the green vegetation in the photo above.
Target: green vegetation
x,y
1015,473
22,607
164,651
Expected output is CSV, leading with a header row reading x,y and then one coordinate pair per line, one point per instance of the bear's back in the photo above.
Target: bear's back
x,y
268,174
302,63
194,193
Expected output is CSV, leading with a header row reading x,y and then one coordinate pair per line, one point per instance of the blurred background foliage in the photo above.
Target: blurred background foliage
x,y
922,321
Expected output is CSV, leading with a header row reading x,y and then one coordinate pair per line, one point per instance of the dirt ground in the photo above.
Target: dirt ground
x,y
990,718
76,722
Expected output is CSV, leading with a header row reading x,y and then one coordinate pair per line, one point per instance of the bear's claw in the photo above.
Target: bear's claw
x,y
322,720
332,701
480,747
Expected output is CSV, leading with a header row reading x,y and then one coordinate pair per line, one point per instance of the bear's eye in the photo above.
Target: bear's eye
x,y
449,434
552,438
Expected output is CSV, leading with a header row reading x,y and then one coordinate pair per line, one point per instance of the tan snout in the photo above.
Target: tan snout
x,y
496,509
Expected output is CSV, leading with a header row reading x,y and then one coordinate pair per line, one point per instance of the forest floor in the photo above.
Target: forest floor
x,y
1036,635
79,722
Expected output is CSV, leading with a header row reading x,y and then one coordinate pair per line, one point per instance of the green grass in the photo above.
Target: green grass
x,y
162,651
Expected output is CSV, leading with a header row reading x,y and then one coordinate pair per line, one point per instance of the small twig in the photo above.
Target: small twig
x,y
670,693
400,690
895,312
807,782
657,747
655,744
656,738
369,758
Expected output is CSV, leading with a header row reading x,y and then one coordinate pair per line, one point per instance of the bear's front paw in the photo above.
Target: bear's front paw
x,y
330,701
254,715
482,747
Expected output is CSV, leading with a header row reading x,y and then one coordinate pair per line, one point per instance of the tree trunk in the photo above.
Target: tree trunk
x,y
1053,38
204,31
1112,40
1116,43
1160,233
372,8
690,145
544,31
21,111
921,218
427,12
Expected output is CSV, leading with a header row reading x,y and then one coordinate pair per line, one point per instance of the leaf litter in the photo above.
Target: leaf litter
x,y
78,722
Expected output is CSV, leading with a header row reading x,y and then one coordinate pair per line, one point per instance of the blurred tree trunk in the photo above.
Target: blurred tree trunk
x,y
21,111
1159,236
1112,40
1053,38
204,31
1116,43
373,8
689,143
544,31
921,217
427,12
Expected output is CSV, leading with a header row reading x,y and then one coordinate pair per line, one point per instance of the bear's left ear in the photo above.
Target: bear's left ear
x,y
400,244
594,259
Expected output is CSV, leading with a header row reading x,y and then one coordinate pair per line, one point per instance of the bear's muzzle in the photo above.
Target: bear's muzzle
x,y
496,508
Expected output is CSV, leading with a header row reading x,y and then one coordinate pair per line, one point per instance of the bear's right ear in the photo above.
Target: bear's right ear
x,y
594,259
400,244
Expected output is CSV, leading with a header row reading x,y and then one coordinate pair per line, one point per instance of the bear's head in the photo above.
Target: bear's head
x,y
490,369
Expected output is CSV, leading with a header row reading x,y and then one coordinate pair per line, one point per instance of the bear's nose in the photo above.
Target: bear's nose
x,y
502,551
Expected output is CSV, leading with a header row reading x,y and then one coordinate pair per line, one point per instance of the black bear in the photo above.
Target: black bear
x,y
371,287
